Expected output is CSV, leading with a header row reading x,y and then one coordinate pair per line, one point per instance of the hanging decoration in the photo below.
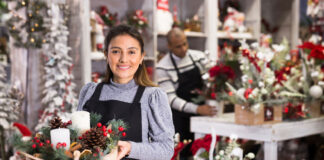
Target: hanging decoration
x,y
59,97
27,30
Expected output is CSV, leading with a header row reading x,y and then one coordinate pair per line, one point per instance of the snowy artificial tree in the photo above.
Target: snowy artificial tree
x,y
59,97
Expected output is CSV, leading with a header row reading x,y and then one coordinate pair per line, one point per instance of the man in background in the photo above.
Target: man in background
x,y
179,75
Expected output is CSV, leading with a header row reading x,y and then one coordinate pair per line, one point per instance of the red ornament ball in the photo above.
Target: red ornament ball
x,y
120,128
34,146
41,144
99,124
80,138
105,133
124,134
109,130
48,141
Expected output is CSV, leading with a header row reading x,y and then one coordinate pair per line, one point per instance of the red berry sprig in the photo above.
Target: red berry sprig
x,y
99,125
34,146
124,134
120,128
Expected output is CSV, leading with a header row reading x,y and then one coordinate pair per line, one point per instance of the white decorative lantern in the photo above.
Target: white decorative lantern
x,y
316,91
80,121
62,136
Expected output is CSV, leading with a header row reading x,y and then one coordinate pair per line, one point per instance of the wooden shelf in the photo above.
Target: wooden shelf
x,y
234,35
149,58
97,56
188,34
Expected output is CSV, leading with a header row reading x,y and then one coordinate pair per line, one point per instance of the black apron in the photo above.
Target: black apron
x,y
188,81
114,109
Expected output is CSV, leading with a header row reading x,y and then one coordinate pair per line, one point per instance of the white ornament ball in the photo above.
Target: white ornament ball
x,y
316,91
241,92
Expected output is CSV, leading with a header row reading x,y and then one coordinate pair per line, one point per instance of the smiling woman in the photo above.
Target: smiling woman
x,y
128,94
126,59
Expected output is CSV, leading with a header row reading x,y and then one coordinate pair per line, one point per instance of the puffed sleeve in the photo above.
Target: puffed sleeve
x,y
161,131
85,94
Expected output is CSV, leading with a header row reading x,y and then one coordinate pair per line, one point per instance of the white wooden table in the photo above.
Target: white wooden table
x,y
269,134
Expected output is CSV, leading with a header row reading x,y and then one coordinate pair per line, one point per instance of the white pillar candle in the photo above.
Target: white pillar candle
x,y
80,121
60,135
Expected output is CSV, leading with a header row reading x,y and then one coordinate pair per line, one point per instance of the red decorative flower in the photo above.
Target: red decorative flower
x,y
202,143
103,10
317,53
247,93
222,70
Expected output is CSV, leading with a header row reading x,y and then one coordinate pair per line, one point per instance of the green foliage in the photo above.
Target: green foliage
x,y
55,154
17,142
279,60
46,132
73,133
94,119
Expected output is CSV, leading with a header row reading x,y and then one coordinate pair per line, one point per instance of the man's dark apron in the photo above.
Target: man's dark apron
x,y
188,81
113,109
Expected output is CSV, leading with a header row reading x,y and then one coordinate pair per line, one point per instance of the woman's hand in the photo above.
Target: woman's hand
x,y
124,148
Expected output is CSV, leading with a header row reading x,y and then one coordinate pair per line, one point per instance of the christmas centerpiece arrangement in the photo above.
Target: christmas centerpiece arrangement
x,y
308,80
259,99
234,21
138,20
193,24
222,149
83,137
109,19
214,92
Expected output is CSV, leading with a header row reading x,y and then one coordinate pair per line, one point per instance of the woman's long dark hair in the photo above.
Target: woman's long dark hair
x,y
141,77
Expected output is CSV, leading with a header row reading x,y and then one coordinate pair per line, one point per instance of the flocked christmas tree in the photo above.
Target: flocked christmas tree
x,y
59,97
10,96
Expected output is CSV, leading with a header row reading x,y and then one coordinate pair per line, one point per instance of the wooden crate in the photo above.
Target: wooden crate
x,y
247,117
315,108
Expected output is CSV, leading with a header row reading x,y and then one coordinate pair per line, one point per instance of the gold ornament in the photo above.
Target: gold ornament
x,y
23,3
44,40
32,29
36,24
32,40
13,27
30,15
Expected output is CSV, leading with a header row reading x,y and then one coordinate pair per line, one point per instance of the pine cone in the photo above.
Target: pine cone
x,y
94,138
56,122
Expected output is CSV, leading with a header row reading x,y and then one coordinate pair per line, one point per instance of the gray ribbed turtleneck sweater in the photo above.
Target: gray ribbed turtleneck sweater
x,y
157,122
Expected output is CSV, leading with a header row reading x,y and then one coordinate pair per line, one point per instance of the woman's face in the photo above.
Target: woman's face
x,y
124,57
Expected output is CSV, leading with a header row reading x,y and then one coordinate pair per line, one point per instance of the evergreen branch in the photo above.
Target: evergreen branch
x,y
94,119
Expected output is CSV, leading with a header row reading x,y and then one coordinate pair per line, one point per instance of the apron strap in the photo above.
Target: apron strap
x,y
194,63
97,92
139,93
174,64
